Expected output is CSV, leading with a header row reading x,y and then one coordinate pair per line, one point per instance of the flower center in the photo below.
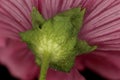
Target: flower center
x,y
55,42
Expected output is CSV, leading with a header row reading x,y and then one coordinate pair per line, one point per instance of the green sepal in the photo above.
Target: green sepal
x,y
83,47
76,15
58,36
37,19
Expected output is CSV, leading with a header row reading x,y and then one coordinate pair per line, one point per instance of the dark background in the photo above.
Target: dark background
x,y
89,75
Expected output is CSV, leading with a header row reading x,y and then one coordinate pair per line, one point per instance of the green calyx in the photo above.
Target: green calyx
x,y
54,42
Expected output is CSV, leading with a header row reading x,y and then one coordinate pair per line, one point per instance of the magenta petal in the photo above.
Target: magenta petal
x,y
102,25
79,63
106,64
2,42
14,17
57,75
18,59
51,7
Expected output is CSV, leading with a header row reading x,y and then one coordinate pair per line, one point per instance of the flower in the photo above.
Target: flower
x,y
100,17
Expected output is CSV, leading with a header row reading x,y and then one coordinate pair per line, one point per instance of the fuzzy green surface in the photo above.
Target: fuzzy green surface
x,y
57,37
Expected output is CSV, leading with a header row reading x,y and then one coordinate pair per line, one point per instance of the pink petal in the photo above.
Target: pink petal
x,y
14,17
106,64
102,25
2,42
79,63
51,7
19,60
56,75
